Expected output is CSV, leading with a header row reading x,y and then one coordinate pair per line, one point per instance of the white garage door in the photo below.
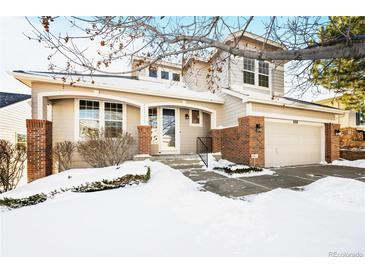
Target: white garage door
x,y
289,144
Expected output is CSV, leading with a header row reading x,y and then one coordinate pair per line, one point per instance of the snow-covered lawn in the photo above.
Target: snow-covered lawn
x,y
213,163
170,216
356,163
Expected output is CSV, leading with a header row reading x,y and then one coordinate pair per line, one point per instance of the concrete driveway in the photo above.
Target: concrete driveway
x,y
285,177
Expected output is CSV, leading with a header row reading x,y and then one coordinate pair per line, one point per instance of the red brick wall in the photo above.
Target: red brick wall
x,y
253,140
332,142
216,140
39,149
238,143
232,148
144,139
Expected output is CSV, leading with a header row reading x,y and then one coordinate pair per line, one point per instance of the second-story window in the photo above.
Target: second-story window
x,y
152,72
165,75
263,74
249,71
176,77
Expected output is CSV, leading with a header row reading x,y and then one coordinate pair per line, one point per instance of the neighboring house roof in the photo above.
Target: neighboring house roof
x,y
8,98
281,101
118,83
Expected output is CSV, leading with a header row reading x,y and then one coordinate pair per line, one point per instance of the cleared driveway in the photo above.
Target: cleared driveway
x,y
285,177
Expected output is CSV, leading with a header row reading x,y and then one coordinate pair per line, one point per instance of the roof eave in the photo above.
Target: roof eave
x,y
24,78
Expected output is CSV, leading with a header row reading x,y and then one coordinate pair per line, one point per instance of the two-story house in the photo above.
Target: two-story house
x,y
238,102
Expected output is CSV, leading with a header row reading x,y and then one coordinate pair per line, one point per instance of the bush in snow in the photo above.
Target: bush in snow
x,y
100,148
12,158
62,153
128,179
122,181
20,202
230,170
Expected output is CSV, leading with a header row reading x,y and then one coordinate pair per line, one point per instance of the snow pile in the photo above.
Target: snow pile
x,y
356,163
225,163
169,216
74,177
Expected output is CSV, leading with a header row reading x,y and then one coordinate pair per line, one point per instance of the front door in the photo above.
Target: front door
x,y
168,134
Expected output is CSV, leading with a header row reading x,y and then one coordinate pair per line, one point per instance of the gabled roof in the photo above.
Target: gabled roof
x,y
118,83
8,98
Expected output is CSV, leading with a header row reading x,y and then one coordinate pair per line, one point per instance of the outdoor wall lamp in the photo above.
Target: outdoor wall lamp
x,y
186,116
337,132
258,128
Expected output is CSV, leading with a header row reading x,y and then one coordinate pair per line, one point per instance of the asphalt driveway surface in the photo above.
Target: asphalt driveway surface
x,y
284,177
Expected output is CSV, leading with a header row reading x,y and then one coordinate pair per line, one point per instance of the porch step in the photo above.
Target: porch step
x,y
180,162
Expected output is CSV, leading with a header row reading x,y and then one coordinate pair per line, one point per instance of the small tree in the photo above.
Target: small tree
x,y
62,153
100,148
12,158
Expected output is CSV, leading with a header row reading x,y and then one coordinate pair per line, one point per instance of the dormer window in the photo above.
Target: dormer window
x,y
176,77
152,72
249,71
165,75
263,74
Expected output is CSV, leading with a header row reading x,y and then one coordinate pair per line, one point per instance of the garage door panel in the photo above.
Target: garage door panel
x,y
291,144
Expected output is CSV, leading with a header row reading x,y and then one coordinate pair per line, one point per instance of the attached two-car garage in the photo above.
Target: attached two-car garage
x,y
289,142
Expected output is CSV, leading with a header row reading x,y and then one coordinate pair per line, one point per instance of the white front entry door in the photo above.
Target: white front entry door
x,y
169,131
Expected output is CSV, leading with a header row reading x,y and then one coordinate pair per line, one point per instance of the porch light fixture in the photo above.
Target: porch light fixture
x,y
258,128
337,132
186,116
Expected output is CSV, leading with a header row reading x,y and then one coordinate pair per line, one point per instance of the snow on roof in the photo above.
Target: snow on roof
x,y
124,83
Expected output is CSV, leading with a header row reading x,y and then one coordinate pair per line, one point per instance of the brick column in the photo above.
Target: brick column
x,y
252,139
144,139
216,135
39,149
332,142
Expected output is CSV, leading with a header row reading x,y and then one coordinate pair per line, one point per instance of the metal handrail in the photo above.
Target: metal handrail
x,y
203,148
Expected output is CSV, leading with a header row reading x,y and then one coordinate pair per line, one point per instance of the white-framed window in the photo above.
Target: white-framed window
x,y
113,119
100,114
256,73
165,75
176,77
249,71
263,74
195,118
89,115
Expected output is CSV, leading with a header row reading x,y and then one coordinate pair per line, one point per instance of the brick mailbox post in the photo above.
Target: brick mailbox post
x,y
332,132
144,139
39,149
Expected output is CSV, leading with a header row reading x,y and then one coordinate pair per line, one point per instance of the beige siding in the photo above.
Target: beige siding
x,y
63,125
140,98
133,120
277,75
63,122
195,76
188,134
280,112
13,120
233,109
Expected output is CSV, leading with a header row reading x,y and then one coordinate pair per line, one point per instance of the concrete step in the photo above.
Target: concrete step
x,y
175,157
180,161
183,167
